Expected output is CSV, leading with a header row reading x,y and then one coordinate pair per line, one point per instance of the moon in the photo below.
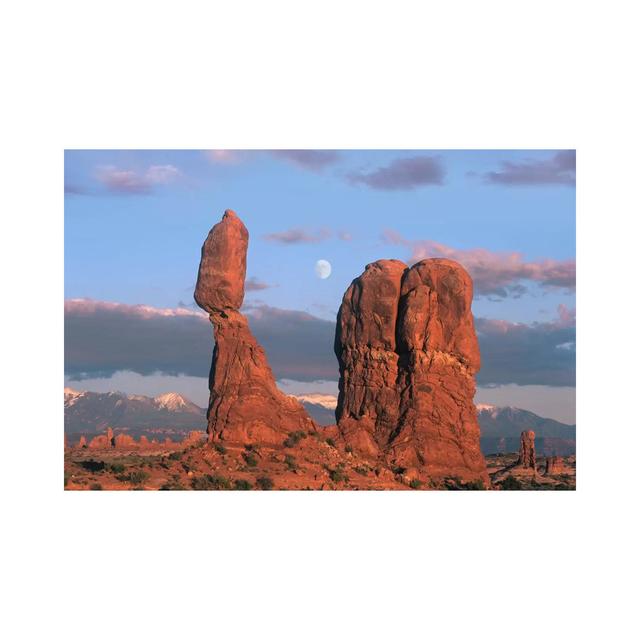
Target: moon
x,y
323,269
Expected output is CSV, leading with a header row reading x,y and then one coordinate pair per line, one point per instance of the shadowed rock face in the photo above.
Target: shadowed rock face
x,y
245,406
408,354
527,456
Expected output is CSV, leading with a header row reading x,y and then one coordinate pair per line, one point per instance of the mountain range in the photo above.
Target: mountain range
x,y
91,412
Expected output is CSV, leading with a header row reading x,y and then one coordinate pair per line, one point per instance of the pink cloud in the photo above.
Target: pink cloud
x,y
494,273
127,181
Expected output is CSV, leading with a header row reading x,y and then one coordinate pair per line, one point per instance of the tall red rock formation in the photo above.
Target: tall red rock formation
x,y
245,405
365,344
527,455
124,441
408,354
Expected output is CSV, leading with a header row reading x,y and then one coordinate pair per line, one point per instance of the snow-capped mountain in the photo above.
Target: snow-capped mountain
x,y
500,429
320,406
86,411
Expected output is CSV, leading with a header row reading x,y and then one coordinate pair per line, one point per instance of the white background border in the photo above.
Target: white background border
x,y
327,75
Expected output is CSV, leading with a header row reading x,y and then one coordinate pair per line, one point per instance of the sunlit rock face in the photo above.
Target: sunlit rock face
x,y
408,355
245,406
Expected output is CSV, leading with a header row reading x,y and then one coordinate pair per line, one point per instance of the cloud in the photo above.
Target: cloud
x,y
310,159
494,273
74,190
559,169
253,284
299,236
123,181
224,156
542,353
102,338
402,174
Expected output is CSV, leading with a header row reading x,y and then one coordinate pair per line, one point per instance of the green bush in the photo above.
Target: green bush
x,y
415,483
337,475
242,485
210,483
290,461
331,442
399,470
511,484
172,485
250,459
363,471
116,467
474,485
293,438
138,476
265,483
176,455
220,448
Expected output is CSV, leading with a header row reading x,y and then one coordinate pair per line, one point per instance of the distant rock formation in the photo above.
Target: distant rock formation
x,y
408,353
245,405
194,437
124,441
100,442
554,466
82,443
527,455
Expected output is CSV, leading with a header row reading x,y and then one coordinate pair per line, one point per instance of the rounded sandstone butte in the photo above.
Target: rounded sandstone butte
x,y
124,441
435,311
369,308
365,344
527,456
223,265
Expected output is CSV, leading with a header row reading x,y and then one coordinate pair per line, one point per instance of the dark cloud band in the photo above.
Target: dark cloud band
x,y
103,338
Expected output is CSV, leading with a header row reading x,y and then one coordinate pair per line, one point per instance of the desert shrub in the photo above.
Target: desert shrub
x,y
363,471
92,465
138,476
511,484
563,487
265,483
116,467
331,442
66,479
176,455
210,483
290,461
474,485
96,486
415,483
250,459
337,475
399,470
172,485
293,438
242,485
220,448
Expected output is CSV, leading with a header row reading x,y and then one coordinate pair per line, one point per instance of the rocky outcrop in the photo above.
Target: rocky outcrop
x,y
245,406
82,443
408,354
100,442
527,455
124,441
194,437
554,466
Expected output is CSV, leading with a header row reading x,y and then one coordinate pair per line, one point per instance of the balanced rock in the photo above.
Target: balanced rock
x,y
408,355
527,455
245,406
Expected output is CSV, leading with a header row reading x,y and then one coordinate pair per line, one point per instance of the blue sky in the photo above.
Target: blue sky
x,y
135,222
